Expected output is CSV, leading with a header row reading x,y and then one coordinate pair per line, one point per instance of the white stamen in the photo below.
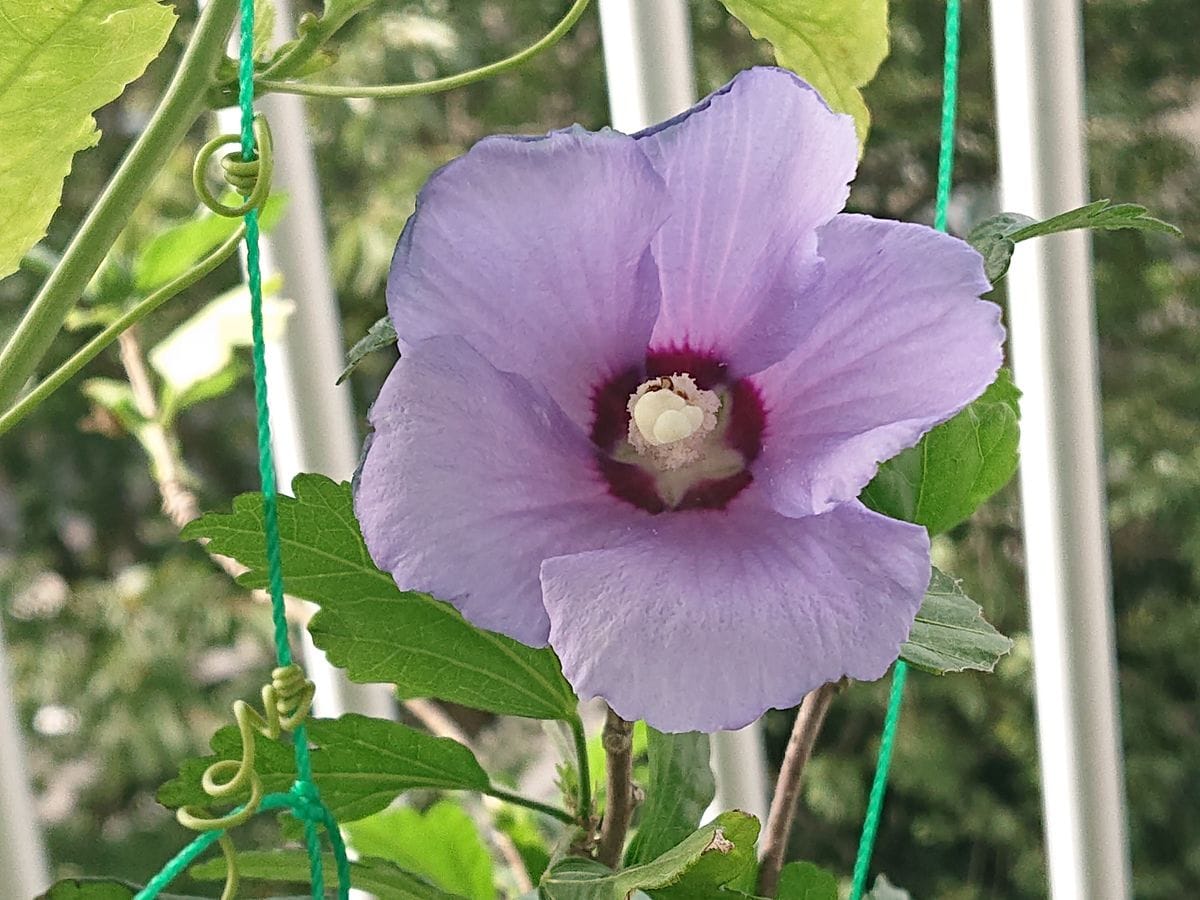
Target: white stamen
x,y
669,419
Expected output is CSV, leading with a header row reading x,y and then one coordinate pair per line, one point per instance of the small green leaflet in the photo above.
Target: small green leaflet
x,y
368,626
835,45
806,881
172,252
996,238
360,764
950,633
381,334
694,868
956,466
679,789
59,62
441,844
376,876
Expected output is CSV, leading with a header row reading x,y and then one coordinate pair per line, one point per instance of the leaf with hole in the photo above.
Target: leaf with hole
x,y
834,45
950,633
700,864
372,629
59,62
956,466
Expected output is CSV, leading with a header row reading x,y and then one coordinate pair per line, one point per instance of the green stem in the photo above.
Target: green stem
x,y
92,348
561,814
585,774
437,85
313,33
180,108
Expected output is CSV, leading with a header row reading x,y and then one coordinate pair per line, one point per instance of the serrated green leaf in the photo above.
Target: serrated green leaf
x,y
835,45
381,334
950,633
956,466
360,765
996,238
376,876
705,860
175,250
372,629
806,881
442,844
679,787
59,62
885,890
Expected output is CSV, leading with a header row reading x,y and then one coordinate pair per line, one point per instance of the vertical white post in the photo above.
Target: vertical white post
x,y
312,422
22,855
648,66
1037,49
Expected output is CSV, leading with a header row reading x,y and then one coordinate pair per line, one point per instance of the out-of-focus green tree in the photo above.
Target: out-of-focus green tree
x,y
113,624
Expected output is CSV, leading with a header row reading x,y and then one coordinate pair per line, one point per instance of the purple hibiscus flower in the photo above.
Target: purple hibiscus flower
x,y
643,380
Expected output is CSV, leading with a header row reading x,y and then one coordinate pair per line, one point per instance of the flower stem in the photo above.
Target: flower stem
x,y
536,805
585,775
176,113
92,348
618,812
809,719
435,86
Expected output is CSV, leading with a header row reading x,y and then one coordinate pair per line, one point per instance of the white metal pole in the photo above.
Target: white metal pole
x,y
22,854
312,422
1038,60
648,66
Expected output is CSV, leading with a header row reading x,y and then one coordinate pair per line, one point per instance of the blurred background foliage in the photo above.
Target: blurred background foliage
x,y
128,646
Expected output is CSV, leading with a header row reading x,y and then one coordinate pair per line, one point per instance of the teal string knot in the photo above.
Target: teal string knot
x,y
306,802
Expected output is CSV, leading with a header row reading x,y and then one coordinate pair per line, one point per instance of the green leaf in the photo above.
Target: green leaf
x,y
100,889
375,631
89,889
360,765
376,876
715,873
835,45
956,466
203,346
59,62
117,398
264,28
381,334
442,844
172,252
694,868
996,238
885,890
679,788
806,881
950,633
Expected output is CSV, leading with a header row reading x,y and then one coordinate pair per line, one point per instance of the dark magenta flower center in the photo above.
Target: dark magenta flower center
x,y
722,469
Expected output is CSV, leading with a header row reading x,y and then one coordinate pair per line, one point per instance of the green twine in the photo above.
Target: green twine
x,y
303,799
887,742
